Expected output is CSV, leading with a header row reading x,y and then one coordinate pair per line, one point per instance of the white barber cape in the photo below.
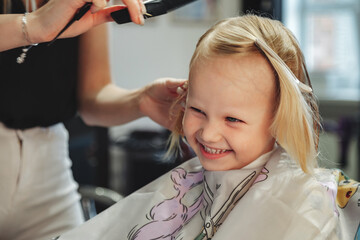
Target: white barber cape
x,y
271,198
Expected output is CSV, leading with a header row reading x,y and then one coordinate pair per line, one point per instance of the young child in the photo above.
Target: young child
x,y
252,120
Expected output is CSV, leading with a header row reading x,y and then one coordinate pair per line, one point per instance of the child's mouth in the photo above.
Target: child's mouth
x,y
213,152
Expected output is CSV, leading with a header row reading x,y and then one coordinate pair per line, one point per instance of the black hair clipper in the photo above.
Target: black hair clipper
x,y
153,8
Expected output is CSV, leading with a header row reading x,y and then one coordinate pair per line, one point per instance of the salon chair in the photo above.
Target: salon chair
x,y
345,129
96,199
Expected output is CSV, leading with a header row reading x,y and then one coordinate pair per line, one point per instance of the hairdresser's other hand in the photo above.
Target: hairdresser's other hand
x,y
157,99
46,22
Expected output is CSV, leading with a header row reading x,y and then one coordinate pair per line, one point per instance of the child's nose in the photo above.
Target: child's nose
x,y
210,132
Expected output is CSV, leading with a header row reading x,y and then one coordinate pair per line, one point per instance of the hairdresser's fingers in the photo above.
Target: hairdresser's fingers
x,y
158,100
103,15
175,85
181,91
142,6
135,8
97,5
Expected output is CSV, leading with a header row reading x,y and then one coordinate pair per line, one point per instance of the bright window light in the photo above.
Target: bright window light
x,y
329,35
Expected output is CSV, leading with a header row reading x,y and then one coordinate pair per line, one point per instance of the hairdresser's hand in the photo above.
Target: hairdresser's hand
x,y
157,99
46,22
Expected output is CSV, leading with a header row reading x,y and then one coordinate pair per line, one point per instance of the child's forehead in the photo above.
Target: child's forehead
x,y
225,80
205,62
253,70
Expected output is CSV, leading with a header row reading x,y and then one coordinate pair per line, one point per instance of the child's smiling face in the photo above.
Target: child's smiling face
x,y
229,110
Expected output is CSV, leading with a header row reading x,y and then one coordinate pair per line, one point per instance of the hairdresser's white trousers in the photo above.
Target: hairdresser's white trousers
x,y
38,197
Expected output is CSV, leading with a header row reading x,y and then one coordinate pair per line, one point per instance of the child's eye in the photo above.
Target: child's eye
x,y
197,110
231,119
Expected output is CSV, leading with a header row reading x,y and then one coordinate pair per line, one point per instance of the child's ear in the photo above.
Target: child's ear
x,y
183,101
183,105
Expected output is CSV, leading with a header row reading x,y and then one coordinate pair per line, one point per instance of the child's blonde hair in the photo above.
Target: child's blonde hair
x,y
296,119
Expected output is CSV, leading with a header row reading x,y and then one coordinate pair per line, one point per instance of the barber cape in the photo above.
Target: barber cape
x,y
271,198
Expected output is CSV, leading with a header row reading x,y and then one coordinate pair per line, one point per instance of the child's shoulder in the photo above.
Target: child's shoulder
x,y
327,200
292,202
289,185
281,171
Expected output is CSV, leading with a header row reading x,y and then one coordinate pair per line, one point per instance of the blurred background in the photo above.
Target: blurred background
x,y
127,157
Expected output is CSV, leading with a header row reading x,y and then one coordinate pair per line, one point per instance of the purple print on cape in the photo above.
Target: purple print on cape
x,y
169,216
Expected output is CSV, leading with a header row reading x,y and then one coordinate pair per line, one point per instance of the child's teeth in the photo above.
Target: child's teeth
x,y
213,151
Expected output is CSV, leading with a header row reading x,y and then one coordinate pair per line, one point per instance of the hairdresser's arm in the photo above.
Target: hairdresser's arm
x,y
46,22
102,103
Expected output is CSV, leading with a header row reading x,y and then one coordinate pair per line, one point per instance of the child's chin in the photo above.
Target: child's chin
x,y
208,166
